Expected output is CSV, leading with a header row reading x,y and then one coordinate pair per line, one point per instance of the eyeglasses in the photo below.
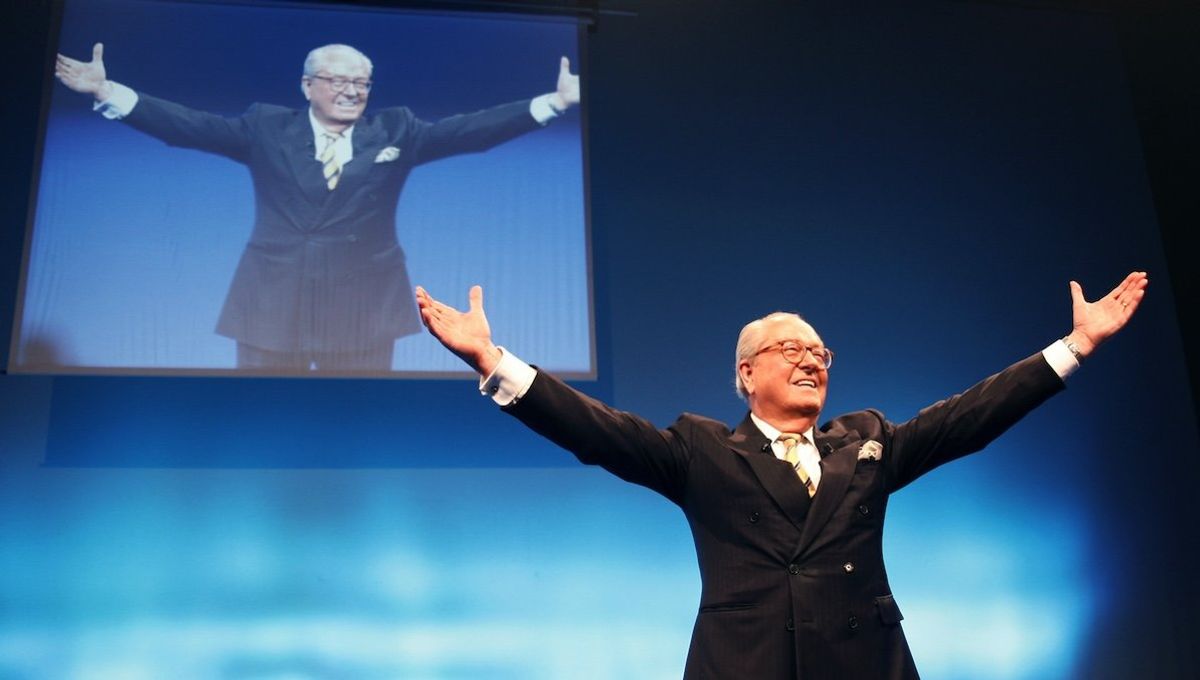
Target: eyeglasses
x,y
339,84
793,352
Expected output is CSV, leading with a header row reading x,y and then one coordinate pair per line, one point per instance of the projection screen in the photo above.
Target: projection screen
x,y
172,241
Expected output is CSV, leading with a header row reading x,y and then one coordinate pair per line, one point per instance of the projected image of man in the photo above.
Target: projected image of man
x,y
322,283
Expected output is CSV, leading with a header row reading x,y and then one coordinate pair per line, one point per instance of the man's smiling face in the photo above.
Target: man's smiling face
x,y
779,391
338,109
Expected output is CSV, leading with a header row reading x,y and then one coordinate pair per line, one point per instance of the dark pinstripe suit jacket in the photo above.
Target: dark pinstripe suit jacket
x,y
792,588
323,270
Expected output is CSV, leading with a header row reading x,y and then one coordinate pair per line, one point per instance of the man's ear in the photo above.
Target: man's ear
x,y
305,84
746,372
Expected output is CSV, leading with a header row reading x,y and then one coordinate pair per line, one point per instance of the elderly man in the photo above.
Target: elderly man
x,y
322,283
787,516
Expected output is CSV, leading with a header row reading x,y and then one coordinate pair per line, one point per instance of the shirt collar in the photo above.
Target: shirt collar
x,y
772,433
319,130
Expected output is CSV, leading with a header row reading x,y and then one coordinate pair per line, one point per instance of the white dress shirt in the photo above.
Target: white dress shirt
x,y
806,448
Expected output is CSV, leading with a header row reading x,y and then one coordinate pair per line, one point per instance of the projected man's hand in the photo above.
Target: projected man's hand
x,y
88,77
567,91
466,334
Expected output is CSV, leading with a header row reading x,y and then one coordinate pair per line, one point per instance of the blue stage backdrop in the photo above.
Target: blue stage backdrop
x,y
920,183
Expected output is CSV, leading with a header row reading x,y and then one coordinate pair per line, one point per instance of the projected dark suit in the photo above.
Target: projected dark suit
x,y
323,270
792,588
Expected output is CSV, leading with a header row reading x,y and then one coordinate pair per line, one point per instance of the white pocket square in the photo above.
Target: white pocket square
x,y
871,450
388,155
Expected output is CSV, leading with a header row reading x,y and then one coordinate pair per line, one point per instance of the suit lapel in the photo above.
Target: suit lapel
x,y
300,158
776,476
369,136
837,469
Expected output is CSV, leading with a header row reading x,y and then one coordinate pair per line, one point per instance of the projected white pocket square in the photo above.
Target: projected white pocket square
x,y
388,155
871,450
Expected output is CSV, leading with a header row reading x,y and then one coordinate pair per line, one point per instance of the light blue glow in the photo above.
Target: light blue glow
x,y
536,573
435,574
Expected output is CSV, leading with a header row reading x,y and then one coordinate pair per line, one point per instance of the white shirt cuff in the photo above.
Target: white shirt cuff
x,y
119,104
541,110
1060,359
509,381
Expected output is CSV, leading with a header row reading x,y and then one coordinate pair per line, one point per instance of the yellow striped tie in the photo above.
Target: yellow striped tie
x,y
329,162
792,455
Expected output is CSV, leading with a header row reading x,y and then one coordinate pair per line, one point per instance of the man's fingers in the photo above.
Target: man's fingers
x,y
1123,285
1131,289
564,67
424,299
66,64
434,308
98,52
1134,282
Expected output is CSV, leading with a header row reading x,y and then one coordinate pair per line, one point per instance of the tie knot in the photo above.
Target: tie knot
x,y
790,439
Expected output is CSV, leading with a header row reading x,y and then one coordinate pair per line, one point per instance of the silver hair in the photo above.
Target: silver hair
x,y
749,340
321,56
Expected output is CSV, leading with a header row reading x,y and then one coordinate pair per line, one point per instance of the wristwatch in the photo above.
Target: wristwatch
x,y
1074,348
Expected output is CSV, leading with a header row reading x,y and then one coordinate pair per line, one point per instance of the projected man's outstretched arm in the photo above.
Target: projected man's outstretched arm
x,y
90,77
335,110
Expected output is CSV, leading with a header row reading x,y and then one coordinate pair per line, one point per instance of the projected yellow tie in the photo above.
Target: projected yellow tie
x,y
329,162
792,455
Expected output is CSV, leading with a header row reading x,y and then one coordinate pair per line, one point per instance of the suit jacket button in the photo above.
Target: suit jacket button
x,y
853,622
864,510
753,517
849,567
352,238
793,569
790,625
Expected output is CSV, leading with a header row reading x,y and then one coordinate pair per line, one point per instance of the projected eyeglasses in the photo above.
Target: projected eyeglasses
x,y
339,84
